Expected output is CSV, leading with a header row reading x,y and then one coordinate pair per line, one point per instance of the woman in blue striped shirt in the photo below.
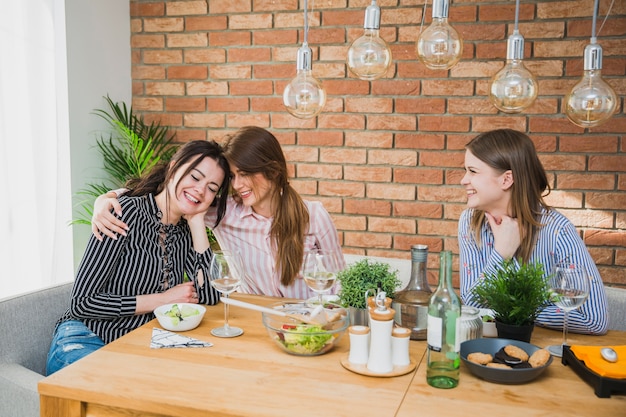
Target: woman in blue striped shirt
x,y
121,280
507,218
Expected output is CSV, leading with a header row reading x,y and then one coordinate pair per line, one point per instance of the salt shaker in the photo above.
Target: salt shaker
x,y
400,337
381,325
359,344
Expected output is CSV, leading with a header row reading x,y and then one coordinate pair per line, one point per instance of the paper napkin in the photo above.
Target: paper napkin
x,y
594,361
165,339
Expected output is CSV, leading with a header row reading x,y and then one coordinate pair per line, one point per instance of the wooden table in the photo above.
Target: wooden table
x,y
249,376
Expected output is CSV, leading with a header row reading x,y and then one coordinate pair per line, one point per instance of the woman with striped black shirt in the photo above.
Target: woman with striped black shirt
x,y
164,257
507,218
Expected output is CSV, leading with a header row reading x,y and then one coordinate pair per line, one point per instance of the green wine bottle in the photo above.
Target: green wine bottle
x,y
444,312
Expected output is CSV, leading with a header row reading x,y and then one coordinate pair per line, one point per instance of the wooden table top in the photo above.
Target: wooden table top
x,y
250,376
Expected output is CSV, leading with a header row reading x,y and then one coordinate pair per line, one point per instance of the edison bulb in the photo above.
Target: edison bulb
x,y
439,46
513,88
369,56
592,101
304,96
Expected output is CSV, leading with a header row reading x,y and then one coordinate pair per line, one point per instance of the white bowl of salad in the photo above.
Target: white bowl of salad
x,y
306,339
180,317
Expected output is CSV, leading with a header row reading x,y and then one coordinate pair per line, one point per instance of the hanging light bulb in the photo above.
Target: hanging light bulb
x,y
513,88
439,46
592,101
304,96
369,56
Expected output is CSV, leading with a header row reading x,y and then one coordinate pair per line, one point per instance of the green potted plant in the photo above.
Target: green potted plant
x,y
361,277
516,292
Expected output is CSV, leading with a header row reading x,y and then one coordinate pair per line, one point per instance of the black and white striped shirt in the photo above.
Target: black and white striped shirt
x,y
113,272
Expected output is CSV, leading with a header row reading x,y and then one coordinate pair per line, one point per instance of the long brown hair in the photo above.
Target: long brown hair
x,y
195,151
255,150
503,150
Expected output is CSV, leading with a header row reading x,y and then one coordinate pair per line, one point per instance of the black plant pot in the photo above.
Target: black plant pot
x,y
515,332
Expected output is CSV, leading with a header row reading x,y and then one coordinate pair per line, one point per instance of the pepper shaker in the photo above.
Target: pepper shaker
x,y
400,337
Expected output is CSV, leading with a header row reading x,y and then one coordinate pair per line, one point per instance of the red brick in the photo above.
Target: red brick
x,y
250,21
247,88
230,71
419,140
417,176
197,23
391,225
274,37
185,104
141,104
356,223
187,72
198,56
163,56
229,39
207,120
342,189
369,173
417,209
252,119
228,104
165,88
391,191
148,72
179,8
318,138
368,240
330,172
187,40
229,6
368,139
420,105
607,163
147,41
207,88
371,207
586,181
147,9
443,124
170,24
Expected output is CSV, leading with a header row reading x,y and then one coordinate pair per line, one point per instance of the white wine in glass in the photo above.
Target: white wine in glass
x,y
569,288
225,274
319,272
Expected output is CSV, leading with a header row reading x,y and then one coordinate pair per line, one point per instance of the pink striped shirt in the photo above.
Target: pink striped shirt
x,y
246,231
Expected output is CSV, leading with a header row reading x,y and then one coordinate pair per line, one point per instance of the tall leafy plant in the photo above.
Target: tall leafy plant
x,y
130,149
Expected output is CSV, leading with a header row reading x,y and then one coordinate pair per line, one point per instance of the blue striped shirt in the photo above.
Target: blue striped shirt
x,y
557,242
113,272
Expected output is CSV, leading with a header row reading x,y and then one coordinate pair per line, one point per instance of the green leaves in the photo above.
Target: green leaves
x,y
517,294
362,276
130,150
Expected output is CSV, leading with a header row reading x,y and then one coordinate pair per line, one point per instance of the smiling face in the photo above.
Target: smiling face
x,y
487,189
195,191
254,190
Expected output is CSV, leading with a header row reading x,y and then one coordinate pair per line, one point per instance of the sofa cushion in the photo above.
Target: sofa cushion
x,y
27,325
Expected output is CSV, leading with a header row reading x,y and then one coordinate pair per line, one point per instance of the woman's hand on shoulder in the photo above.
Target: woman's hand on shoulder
x,y
103,220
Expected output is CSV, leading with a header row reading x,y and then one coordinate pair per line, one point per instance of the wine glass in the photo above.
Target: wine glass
x,y
569,288
319,271
225,275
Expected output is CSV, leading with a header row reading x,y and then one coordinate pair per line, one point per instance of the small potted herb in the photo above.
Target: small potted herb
x,y
360,277
517,292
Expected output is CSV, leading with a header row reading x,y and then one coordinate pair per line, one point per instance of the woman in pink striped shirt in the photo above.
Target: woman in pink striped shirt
x,y
266,219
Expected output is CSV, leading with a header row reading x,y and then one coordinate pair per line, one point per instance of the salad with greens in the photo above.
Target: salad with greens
x,y
178,314
304,339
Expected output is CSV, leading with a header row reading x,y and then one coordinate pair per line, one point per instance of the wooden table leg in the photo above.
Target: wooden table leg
x,y
60,407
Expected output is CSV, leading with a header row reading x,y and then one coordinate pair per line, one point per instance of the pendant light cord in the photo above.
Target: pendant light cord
x,y
306,22
515,29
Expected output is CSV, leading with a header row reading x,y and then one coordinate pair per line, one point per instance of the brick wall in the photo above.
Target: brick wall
x,y
385,156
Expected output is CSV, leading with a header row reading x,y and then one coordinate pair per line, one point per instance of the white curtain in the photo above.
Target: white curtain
x,y
35,189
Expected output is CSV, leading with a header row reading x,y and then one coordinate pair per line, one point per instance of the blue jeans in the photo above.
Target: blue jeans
x,y
72,340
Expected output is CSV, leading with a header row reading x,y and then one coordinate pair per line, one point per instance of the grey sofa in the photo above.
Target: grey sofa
x,y
26,326
617,307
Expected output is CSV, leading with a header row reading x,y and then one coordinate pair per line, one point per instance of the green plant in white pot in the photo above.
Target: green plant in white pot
x,y
516,292
361,277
